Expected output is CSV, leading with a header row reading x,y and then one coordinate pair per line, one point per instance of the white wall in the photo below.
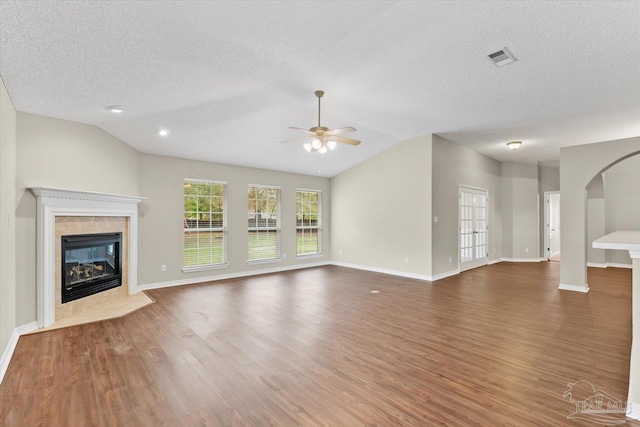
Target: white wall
x,y
520,211
381,210
161,232
453,166
7,218
622,203
63,154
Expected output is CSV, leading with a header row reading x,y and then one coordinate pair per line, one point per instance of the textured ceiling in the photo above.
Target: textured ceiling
x,y
229,78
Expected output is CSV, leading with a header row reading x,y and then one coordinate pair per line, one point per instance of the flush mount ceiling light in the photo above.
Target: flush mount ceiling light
x,y
115,108
163,132
514,145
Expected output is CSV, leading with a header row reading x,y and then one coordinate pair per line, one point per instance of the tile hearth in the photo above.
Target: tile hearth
x,y
118,307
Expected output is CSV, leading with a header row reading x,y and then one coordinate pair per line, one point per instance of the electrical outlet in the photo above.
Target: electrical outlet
x,y
406,260
340,251
284,256
526,250
435,219
163,267
449,260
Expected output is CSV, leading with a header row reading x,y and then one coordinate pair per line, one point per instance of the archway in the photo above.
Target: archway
x,y
613,202
578,167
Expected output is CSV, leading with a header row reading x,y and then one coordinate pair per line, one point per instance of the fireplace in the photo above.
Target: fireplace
x,y
91,263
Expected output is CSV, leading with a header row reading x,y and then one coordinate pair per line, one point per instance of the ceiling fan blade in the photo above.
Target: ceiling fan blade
x,y
345,140
299,138
340,131
303,130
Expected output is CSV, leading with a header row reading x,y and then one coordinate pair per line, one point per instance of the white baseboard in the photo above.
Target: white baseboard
x,y
445,274
635,410
574,288
384,271
616,265
608,265
596,265
399,273
495,261
194,280
11,346
523,259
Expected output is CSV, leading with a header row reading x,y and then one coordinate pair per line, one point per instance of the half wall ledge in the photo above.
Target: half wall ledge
x,y
630,241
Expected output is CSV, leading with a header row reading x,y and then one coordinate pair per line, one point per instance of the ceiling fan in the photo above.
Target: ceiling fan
x,y
322,138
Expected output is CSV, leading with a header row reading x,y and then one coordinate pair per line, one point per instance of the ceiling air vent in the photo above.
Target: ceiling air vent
x,y
502,57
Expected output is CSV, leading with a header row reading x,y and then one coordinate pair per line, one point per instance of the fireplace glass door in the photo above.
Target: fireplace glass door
x,y
91,263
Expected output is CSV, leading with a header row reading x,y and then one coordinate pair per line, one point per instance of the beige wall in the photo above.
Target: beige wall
x,y
381,210
453,166
161,232
595,220
595,230
520,210
7,218
578,166
63,154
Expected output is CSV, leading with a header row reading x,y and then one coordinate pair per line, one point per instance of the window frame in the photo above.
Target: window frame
x,y
317,227
267,228
223,228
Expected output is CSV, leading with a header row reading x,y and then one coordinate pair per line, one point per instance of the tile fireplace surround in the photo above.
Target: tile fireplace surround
x,y
67,212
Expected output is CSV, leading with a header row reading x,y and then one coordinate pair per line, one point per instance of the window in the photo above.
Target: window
x,y
308,222
264,223
205,224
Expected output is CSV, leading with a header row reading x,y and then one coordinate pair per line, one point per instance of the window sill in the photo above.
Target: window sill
x,y
204,268
264,261
309,256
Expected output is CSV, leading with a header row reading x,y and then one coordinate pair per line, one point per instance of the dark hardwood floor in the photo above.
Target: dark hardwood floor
x,y
492,346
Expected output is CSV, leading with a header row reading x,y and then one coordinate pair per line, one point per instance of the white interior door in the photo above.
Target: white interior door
x,y
474,228
552,216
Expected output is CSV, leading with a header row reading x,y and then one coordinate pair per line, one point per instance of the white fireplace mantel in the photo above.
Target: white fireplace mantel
x,y
53,202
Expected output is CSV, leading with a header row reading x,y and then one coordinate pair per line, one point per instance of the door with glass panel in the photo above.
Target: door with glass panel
x,y
474,228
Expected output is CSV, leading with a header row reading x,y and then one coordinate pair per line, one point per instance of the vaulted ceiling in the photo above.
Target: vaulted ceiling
x,y
228,78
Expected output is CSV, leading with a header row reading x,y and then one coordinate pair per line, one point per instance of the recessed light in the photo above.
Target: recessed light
x,y
514,145
163,132
115,108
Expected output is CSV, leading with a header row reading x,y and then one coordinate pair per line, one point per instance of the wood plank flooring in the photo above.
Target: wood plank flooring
x,y
492,346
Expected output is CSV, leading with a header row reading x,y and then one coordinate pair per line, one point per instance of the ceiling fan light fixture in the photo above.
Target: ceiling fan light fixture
x,y
514,145
322,138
